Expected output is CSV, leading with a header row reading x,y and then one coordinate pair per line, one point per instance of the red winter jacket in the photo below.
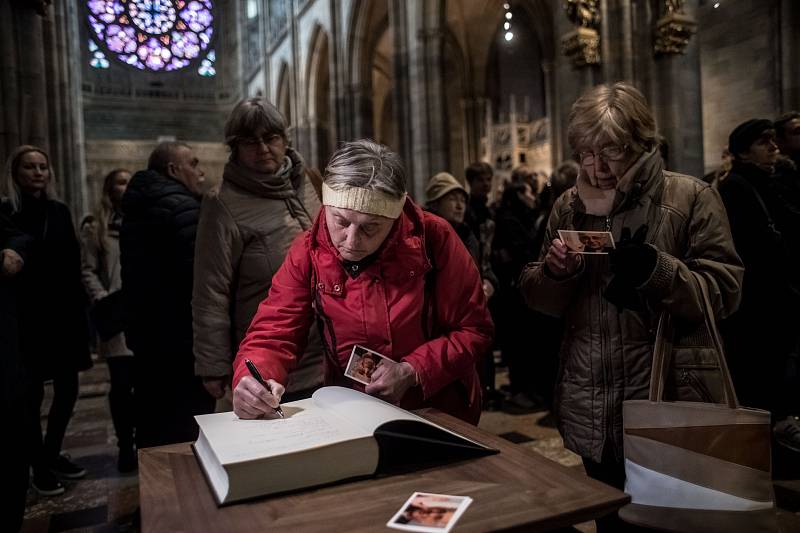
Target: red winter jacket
x,y
383,309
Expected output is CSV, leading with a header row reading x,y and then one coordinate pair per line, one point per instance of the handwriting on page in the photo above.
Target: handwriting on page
x,y
259,438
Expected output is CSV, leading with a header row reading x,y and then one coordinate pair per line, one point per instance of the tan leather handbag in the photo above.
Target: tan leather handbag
x,y
694,466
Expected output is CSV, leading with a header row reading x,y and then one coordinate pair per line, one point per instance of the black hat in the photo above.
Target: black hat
x,y
746,133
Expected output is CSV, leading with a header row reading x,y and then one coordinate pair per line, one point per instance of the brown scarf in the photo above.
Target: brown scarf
x,y
600,202
281,185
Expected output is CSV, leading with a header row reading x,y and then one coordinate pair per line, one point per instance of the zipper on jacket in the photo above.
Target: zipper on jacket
x,y
608,378
691,380
605,358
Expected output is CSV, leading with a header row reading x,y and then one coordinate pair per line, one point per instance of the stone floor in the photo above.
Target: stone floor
x,y
106,501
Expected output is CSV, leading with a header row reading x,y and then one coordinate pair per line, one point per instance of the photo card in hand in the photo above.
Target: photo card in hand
x,y
587,242
363,362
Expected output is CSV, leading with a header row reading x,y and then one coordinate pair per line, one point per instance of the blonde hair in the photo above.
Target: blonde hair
x,y
618,113
104,209
9,188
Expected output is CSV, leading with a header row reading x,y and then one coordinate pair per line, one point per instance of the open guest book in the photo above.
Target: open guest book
x,y
336,434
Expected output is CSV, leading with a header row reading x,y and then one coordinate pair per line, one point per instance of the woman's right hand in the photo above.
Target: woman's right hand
x,y
252,400
560,261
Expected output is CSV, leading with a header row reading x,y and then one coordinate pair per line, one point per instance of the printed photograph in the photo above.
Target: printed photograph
x,y
587,242
363,362
434,513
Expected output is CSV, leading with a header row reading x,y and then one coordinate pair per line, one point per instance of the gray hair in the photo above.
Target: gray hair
x,y
9,188
367,165
617,112
164,154
250,117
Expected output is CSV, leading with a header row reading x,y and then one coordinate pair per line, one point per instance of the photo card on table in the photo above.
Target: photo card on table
x,y
430,513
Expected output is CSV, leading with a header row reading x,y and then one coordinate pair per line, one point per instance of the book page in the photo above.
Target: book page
x,y
305,427
368,412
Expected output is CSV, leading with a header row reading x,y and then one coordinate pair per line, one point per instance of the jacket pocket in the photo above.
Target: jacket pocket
x,y
695,383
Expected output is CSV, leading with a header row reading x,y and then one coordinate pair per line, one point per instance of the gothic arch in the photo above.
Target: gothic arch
x,y
283,94
318,97
369,21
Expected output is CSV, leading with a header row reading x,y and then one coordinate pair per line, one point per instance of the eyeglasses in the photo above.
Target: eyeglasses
x,y
272,141
609,153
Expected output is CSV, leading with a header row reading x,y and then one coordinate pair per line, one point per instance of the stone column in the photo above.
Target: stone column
x,y
573,74
790,55
360,111
40,87
616,41
474,110
65,107
677,100
9,83
419,89
553,101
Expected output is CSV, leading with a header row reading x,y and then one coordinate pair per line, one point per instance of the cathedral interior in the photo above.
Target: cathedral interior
x,y
444,83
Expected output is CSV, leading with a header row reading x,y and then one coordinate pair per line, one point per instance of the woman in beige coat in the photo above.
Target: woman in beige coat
x,y
267,198
101,276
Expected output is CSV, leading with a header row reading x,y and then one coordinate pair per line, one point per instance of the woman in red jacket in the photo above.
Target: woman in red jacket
x,y
377,271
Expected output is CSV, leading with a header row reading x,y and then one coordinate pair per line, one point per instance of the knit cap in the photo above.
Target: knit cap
x,y
441,184
746,133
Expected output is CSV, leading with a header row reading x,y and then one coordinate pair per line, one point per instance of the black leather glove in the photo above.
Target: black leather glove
x,y
623,296
632,262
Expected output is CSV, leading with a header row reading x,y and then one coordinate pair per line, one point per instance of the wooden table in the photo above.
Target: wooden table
x,y
516,489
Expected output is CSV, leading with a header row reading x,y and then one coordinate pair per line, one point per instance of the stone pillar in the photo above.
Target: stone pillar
x,y
66,106
419,89
616,41
571,78
40,87
360,111
474,110
677,100
790,55
551,97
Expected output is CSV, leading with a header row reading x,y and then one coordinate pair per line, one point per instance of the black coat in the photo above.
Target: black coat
x,y
54,334
751,205
157,241
514,243
11,369
761,334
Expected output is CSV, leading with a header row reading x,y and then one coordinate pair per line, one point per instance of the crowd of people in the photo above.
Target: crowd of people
x,y
289,268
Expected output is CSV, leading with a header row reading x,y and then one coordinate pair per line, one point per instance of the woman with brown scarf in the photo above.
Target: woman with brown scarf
x,y
267,197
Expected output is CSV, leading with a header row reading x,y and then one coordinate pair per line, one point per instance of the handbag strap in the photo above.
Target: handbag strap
x,y
711,324
662,351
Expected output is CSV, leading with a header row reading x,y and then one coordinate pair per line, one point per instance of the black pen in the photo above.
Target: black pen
x,y
257,375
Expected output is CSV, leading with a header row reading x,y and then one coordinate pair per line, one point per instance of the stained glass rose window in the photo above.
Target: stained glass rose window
x,y
157,35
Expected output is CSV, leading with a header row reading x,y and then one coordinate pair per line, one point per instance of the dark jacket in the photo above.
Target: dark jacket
x,y
11,369
514,244
770,300
479,219
606,352
54,334
157,254
750,204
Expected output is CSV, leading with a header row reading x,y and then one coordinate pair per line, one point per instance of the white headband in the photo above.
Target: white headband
x,y
364,201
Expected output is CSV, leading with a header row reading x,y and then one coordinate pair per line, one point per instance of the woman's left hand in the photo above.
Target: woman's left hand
x,y
391,380
11,262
